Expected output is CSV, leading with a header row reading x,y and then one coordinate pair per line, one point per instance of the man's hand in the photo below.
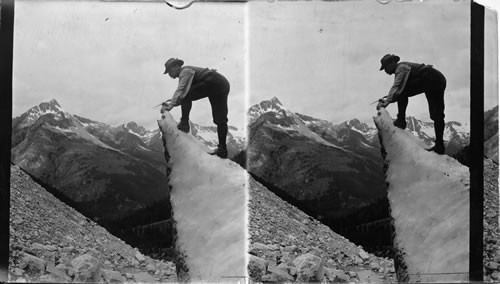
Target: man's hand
x,y
382,103
166,106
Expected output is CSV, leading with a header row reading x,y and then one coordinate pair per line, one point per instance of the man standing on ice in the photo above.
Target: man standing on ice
x,y
196,83
412,79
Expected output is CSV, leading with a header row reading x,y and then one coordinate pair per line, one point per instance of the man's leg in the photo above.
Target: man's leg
x,y
218,102
219,114
401,119
196,92
435,100
185,110
222,135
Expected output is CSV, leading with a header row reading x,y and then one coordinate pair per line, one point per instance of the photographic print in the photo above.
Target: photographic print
x,y
97,194
258,141
360,119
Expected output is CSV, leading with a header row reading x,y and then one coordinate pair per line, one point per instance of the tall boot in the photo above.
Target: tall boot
x,y
185,110
183,125
439,130
400,121
221,150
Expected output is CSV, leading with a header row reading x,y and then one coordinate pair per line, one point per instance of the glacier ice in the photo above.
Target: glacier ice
x,y
429,200
209,202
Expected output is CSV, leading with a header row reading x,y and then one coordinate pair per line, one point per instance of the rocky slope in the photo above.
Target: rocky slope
x,y
288,245
491,134
491,236
52,242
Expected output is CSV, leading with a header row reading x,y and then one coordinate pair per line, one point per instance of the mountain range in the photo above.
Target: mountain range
x,y
109,171
331,169
112,171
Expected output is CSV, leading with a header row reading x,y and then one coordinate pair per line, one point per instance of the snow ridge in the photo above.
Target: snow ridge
x,y
429,199
209,200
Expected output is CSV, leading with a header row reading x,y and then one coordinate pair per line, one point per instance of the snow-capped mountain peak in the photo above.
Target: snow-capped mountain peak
x,y
47,107
134,128
34,113
276,101
359,126
425,130
51,106
272,105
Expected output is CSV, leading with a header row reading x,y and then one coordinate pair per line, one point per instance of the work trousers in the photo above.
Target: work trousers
x,y
216,87
433,84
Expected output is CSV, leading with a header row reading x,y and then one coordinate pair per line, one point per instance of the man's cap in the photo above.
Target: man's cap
x,y
171,63
387,59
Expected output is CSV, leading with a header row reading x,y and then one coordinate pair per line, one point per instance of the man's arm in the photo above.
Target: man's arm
x,y
185,79
401,76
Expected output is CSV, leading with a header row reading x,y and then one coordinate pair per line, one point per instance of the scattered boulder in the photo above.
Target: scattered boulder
x,y
271,257
363,255
37,246
309,268
49,278
140,257
352,274
492,265
335,275
367,276
374,266
111,276
58,274
69,249
257,267
51,248
134,262
87,268
292,248
269,278
150,268
93,252
33,263
357,260
18,272
279,274
290,269
331,274
273,247
286,258
260,246
70,271
144,277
